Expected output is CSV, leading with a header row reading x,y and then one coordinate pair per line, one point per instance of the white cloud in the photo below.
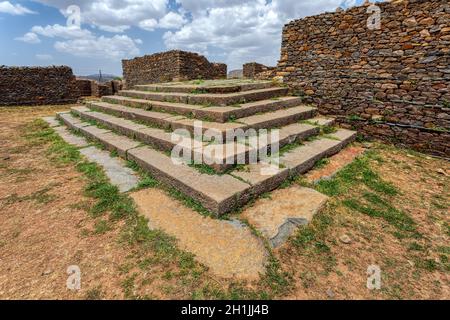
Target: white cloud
x,y
29,37
245,30
115,48
113,13
59,31
44,57
14,9
172,20
148,24
115,29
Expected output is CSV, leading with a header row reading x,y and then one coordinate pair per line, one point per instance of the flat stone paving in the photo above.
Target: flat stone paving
x,y
115,168
278,217
227,248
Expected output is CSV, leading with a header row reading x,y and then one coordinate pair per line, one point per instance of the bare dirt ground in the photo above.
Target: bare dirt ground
x,y
390,210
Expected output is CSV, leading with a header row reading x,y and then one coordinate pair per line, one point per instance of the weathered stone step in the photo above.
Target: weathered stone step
x,y
164,120
298,161
217,114
218,193
219,157
208,99
225,87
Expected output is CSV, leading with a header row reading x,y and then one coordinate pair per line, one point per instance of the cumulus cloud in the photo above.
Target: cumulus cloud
x,y
115,48
148,24
246,30
29,37
113,13
14,9
172,20
59,31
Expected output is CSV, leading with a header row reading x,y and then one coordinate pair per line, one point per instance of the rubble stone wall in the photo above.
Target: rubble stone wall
x,y
391,83
37,86
170,66
254,70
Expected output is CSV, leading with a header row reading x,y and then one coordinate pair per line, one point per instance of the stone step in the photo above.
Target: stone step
x,y
219,157
216,114
218,193
168,121
263,178
208,99
220,87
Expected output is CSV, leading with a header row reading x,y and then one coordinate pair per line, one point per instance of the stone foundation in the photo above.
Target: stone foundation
x,y
391,83
170,66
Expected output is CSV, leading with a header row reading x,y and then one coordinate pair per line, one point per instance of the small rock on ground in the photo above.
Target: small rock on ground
x,y
229,249
345,239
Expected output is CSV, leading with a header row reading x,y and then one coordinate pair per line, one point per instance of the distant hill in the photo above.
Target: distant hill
x,y
96,77
236,74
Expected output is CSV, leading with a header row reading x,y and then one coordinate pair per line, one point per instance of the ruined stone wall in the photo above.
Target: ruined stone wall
x,y
254,70
37,86
170,66
392,83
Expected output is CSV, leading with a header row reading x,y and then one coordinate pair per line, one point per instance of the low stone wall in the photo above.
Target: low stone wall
x,y
254,70
391,83
37,86
170,66
84,87
91,88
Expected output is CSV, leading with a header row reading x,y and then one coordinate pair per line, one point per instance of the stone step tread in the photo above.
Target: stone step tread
x,y
215,113
208,98
297,161
256,119
206,95
322,147
188,88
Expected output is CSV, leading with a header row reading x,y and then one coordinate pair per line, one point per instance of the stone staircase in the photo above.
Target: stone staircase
x,y
139,124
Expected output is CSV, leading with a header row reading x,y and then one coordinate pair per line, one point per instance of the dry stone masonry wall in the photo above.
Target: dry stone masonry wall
x,y
170,66
37,86
391,83
254,70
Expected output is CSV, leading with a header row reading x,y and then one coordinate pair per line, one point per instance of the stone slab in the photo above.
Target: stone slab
x,y
277,218
115,168
279,118
52,121
227,248
218,193
71,138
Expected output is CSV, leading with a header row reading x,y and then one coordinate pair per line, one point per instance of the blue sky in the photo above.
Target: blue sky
x,y
231,31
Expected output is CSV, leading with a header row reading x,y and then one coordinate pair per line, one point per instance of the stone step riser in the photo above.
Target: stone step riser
x,y
208,99
193,88
204,113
